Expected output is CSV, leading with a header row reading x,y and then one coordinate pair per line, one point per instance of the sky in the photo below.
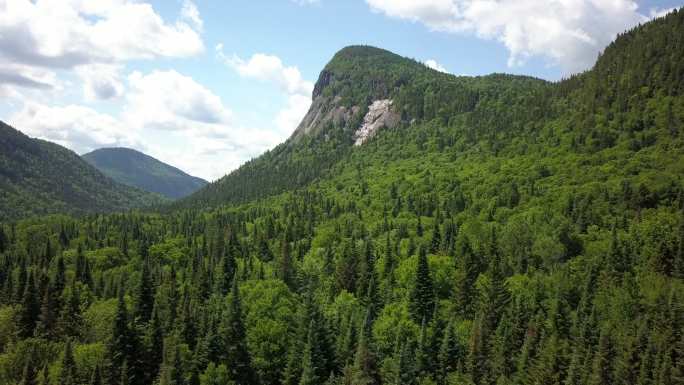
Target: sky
x,y
206,85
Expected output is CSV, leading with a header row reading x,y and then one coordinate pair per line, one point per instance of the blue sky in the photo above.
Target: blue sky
x,y
206,85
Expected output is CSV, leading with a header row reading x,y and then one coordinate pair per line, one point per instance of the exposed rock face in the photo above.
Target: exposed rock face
x,y
323,111
379,115
328,110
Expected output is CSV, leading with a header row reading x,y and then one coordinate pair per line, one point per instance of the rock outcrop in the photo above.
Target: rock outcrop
x,y
379,115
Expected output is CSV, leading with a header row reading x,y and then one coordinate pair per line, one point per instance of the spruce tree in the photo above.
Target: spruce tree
x,y
237,357
30,309
601,372
436,240
285,267
422,297
228,269
119,347
346,270
144,296
71,320
309,369
364,371
154,341
469,271
68,371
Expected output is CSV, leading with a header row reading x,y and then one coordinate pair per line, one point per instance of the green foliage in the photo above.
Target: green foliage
x,y
39,177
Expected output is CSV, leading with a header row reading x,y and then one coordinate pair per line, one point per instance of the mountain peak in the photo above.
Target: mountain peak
x,y
134,168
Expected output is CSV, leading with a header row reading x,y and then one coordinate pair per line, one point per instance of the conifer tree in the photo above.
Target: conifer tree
x,y
154,339
68,371
469,271
422,299
364,371
601,372
346,270
96,378
144,296
436,240
30,309
237,357
47,317
309,369
285,267
70,320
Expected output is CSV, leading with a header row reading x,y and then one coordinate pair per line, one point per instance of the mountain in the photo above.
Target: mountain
x,y
366,90
417,228
367,83
136,169
38,177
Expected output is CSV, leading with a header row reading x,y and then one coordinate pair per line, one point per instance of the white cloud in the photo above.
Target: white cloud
x,y
39,38
190,13
192,129
289,117
435,65
63,34
270,68
569,33
170,101
76,127
101,81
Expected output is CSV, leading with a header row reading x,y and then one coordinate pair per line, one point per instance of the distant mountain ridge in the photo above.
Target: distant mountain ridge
x,y
38,177
140,170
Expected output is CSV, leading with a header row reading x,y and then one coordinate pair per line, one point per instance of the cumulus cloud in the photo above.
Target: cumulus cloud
x,y
190,13
569,33
38,38
270,68
435,66
170,101
165,114
76,127
101,81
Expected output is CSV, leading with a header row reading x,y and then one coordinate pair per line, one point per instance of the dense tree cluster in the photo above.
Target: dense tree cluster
x,y
39,177
496,247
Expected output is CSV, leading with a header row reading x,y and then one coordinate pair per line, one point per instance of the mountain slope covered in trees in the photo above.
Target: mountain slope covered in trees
x,y
507,230
136,169
38,177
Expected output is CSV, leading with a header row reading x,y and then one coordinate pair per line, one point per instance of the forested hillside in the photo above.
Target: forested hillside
x,y
136,169
38,177
507,231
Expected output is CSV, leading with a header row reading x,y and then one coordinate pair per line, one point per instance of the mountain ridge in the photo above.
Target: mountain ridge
x,y
40,177
137,169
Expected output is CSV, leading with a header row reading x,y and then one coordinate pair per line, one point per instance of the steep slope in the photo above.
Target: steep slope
x,y
136,169
362,91
39,177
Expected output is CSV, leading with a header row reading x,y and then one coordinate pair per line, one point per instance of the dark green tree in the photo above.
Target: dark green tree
x,y
237,358
422,297
67,375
